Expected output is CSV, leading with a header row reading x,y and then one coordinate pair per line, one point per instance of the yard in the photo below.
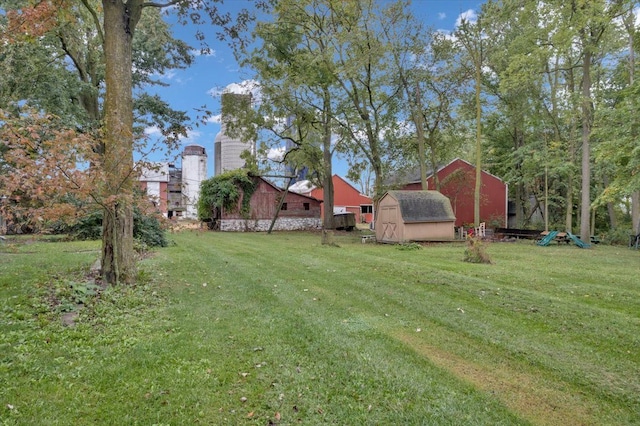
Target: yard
x,y
246,328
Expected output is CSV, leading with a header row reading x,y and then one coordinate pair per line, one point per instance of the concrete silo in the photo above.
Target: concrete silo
x,y
227,149
194,171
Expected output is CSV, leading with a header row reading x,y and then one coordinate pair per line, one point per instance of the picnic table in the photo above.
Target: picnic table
x,y
546,237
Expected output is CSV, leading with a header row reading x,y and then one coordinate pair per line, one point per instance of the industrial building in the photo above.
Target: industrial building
x,y
175,190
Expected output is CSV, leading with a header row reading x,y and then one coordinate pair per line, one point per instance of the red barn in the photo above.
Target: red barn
x,y
298,212
457,182
346,198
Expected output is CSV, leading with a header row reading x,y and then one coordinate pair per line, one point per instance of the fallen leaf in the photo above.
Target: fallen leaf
x,y
250,415
277,416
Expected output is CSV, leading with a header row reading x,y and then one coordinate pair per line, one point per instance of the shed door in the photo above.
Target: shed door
x,y
389,215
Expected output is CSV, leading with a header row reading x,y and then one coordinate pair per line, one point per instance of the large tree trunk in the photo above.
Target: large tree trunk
x,y
629,22
478,186
585,208
118,263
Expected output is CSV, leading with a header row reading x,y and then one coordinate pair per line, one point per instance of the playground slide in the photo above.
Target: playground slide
x,y
577,241
547,238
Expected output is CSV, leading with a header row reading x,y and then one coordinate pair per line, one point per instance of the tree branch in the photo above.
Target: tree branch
x,y
96,20
161,5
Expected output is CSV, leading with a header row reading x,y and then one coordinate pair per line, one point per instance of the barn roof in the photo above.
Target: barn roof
x,y
412,175
423,206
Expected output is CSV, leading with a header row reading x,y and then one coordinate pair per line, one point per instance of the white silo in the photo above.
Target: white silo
x,y
227,149
194,171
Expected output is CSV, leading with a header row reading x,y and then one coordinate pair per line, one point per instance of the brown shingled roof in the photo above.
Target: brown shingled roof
x,y
423,206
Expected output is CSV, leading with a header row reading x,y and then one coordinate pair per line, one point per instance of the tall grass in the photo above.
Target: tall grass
x,y
279,329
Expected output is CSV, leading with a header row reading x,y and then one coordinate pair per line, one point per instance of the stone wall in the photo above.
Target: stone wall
x,y
282,224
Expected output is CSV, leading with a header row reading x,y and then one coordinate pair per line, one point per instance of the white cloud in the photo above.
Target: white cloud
x,y
276,153
469,16
191,138
153,130
215,119
169,75
442,15
446,35
244,87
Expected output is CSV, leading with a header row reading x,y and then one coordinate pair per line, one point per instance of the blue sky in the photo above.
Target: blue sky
x,y
201,84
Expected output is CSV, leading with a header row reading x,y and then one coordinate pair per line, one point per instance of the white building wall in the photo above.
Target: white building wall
x,y
194,171
153,190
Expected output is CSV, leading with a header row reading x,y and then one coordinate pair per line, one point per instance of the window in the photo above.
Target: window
x,y
306,206
366,208
284,206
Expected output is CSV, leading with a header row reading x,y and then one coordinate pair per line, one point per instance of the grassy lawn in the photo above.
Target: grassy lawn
x,y
228,329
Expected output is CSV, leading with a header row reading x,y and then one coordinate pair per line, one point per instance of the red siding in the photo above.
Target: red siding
x,y
345,195
457,182
164,194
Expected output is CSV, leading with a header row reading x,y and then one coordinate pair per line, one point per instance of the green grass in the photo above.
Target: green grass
x,y
278,329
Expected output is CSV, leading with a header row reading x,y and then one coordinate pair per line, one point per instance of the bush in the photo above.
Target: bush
x,y
147,230
476,251
88,228
616,237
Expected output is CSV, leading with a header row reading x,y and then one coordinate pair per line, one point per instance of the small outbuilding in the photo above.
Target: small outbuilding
x,y
414,216
297,212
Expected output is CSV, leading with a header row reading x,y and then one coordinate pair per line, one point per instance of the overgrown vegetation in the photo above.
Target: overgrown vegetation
x,y
223,192
279,329
476,251
147,229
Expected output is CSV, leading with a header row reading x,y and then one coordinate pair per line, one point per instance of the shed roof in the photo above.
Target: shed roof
x,y
423,206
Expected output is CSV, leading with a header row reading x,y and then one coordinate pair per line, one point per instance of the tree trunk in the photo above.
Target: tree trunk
x,y
118,263
327,154
478,187
613,222
519,204
635,213
585,208
629,23
416,112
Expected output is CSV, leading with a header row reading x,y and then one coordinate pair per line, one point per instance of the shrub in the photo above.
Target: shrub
x,y
616,236
147,230
476,251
